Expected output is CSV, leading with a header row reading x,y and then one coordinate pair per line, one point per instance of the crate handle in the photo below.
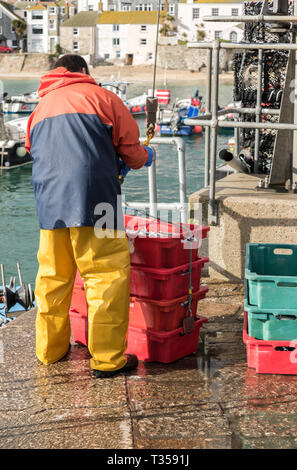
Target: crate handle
x,y
286,317
286,284
184,273
283,251
284,348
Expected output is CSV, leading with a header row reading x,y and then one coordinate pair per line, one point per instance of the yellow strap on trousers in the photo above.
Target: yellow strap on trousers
x,y
104,265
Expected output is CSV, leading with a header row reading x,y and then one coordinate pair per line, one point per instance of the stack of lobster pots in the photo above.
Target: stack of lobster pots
x,y
270,323
164,290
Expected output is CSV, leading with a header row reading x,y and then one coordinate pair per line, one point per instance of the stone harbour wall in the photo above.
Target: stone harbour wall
x,y
181,57
15,63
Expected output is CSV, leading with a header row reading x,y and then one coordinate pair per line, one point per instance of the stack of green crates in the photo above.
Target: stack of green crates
x,y
271,291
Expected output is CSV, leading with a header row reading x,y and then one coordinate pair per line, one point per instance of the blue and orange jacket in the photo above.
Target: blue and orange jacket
x,y
76,135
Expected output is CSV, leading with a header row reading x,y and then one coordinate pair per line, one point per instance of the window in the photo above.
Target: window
x,y
143,42
106,56
234,12
233,36
116,41
37,29
125,7
218,34
75,32
214,12
37,15
52,24
149,55
196,13
171,9
116,27
62,10
91,8
52,10
75,46
25,14
143,27
118,54
145,7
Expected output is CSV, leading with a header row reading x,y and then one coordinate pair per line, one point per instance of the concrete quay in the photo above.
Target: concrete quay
x,y
206,401
245,215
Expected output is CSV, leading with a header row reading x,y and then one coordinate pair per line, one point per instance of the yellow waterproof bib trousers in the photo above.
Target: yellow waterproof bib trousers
x,y
104,265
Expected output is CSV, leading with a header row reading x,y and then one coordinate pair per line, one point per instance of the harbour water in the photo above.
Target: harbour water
x,y
18,223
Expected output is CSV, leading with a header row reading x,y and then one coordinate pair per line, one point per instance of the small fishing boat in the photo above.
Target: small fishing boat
x,y
20,104
229,117
12,144
171,121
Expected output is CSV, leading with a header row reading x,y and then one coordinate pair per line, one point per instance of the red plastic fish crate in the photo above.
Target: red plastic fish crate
x,y
167,250
165,284
79,301
162,315
79,327
270,357
163,346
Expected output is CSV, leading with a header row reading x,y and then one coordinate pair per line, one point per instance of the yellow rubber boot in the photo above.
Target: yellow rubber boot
x,y
104,264
53,291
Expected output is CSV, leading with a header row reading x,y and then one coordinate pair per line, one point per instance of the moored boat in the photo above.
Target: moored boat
x,y
12,144
20,104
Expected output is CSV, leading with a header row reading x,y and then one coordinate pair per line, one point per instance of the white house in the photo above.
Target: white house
x,y
37,28
191,12
127,33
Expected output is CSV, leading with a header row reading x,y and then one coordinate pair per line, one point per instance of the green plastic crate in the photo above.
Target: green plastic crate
x,y
268,326
271,276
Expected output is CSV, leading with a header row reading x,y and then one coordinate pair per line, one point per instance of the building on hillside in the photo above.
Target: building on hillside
x,y
190,26
79,35
43,23
127,34
7,33
127,5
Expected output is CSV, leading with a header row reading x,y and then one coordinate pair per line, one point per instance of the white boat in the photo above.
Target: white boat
x,y
12,144
20,104
136,105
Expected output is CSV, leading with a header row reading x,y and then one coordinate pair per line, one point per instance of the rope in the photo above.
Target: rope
x,y
152,102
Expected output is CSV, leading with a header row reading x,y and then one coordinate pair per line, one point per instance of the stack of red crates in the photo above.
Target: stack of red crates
x,y
159,284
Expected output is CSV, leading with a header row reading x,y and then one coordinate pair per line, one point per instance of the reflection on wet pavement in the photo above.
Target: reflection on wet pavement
x,y
209,400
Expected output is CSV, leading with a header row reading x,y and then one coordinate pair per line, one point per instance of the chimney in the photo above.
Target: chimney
x,y
100,6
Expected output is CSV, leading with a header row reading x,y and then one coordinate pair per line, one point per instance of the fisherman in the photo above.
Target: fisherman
x,y
77,135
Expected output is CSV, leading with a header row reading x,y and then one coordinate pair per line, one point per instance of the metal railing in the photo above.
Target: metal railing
x,y
152,205
211,118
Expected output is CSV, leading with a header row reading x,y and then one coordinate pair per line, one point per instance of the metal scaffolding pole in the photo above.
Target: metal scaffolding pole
x,y
207,111
214,133
258,108
228,45
252,19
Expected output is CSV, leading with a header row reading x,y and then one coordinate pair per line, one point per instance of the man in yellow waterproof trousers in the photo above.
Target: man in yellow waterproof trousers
x,y
80,137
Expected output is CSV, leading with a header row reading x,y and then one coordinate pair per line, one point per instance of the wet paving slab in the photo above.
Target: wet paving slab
x,y
210,400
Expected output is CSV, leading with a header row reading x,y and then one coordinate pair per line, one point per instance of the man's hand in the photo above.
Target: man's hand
x,y
124,169
151,155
